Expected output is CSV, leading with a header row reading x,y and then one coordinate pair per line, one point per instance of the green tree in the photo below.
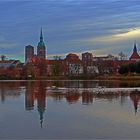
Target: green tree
x,y
124,69
137,67
132,68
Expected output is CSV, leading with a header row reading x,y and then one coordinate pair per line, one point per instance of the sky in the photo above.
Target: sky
x,y
69,26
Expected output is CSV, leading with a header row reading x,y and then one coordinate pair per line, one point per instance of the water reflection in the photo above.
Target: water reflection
x,y
9,89
135,97
37,91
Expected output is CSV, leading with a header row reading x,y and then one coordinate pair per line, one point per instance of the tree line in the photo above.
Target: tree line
x,y
130,68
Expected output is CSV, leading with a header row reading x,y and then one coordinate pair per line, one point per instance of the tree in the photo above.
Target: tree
x,y
42,66
57,57
3,57
124,69
137,66
132,68
122,56
57,69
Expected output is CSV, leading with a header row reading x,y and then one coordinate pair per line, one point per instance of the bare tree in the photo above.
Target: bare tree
x,y
3,57
57,57
122,56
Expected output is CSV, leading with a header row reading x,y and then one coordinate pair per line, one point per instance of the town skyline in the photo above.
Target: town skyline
x,y
102,27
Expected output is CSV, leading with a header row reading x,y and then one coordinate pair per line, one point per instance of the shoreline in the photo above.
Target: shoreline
x,y
100,78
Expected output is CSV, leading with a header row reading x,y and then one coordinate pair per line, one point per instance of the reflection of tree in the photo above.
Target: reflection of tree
x,y
9,89
109,96
58,96
87,98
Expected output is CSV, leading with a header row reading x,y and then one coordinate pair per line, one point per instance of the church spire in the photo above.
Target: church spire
x,y
135,47
41,35
41,49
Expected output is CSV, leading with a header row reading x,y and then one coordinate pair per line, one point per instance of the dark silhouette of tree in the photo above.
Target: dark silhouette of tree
x,y
137,66
42,67
122,56
3,57
124,69
132,68
57,57
57,69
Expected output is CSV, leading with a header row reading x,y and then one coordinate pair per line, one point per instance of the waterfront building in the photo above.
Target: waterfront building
x,y
29,52
89,64
10,68
74,65
9,63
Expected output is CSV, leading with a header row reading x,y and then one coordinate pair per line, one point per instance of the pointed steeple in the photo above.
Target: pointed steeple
x,y
41,35
135,47
41,49
135,56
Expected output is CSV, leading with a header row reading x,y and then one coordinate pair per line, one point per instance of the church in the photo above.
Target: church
x,y
41,50
135,56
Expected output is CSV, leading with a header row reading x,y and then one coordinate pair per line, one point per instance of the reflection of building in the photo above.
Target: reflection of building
x,y
72,97
36,91
135,97
41,101
29,96
8,90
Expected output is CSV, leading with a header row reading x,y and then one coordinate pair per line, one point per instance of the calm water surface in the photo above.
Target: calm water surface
x,y
59,109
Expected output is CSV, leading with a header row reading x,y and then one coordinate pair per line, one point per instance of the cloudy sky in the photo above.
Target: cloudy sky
x,y
100,26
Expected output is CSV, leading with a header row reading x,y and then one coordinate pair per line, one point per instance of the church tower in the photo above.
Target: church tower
x,y
41,49
135,56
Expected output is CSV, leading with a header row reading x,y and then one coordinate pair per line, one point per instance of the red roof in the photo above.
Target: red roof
x,y
135,55
72,55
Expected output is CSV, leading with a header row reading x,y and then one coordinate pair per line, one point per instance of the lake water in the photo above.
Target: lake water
x,y
67,109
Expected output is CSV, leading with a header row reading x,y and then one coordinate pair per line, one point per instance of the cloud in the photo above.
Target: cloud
x,y
130,35
8,45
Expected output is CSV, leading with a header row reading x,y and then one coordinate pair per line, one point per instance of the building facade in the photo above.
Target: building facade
x,y
73,64
29,52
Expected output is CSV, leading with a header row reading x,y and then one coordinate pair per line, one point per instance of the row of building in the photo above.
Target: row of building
x,y
37,65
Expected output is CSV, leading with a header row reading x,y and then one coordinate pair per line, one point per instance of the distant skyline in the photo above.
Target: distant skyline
x,y
69,26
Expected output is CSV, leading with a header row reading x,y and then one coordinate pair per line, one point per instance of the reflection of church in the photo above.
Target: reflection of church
x,y
135,97
36,91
